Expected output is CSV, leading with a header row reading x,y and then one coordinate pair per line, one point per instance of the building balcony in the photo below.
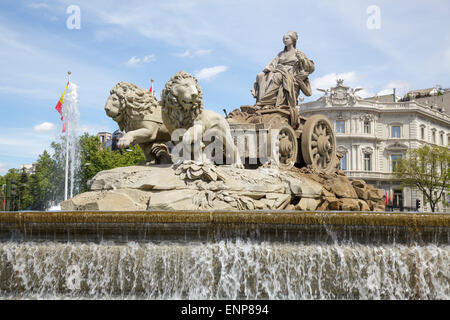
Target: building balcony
x,y
369,175
361,136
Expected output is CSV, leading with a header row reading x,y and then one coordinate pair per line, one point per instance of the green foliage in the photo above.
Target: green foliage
x,y
426,169
42,182
12,174
95,159
46,186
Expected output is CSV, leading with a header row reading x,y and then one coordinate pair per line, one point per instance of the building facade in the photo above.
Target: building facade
x,y
373,133
28,168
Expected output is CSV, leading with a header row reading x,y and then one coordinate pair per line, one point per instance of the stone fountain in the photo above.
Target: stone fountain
x,y
214,216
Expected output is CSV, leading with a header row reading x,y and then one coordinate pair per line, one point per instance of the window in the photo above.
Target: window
x,y
367,164
394,159
433,136
442,139
343,164
340,126
422,133
366,127
395,132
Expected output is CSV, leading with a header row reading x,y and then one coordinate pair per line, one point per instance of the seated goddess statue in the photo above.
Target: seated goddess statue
x,y
283,78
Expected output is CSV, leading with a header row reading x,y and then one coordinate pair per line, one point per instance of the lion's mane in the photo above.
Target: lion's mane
x,y
136,104
179,117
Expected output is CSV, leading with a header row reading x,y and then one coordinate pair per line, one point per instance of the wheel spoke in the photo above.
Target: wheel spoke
x,y
314,144
316,158
314,150
315,136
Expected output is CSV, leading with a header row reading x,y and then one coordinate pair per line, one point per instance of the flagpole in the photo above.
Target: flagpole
x,y
66,182
153,88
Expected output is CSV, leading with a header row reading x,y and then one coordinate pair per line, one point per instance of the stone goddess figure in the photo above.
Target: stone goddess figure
x,y
283,78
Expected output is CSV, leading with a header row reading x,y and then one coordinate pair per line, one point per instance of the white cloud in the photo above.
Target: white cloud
x,y
209,73
401,88
38,5
22,145
44,127
134,61
3,168
329,80
202,52
189,54
185,54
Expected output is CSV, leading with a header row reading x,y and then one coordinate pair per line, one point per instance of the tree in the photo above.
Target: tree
x,y
37,191
42,182
94,158
426,169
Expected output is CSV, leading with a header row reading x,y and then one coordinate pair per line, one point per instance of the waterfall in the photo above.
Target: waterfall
x,y
229,255
227,269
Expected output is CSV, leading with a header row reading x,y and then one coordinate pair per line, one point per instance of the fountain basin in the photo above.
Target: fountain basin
x,y
365,227
224,255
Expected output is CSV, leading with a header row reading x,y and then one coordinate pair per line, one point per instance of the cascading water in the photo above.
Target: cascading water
x,y
250,263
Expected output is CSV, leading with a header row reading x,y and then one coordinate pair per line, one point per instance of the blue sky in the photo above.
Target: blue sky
x,y
224,43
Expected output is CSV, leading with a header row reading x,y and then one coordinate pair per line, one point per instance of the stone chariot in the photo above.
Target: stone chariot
x,y
302,141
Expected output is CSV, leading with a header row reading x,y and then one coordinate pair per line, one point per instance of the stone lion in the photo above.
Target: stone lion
x,y
182,108
138,113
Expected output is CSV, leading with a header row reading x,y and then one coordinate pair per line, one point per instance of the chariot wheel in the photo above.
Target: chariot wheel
x,y
319,143
287,146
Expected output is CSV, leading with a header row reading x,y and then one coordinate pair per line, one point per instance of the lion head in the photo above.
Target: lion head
x,y
182,100
128,102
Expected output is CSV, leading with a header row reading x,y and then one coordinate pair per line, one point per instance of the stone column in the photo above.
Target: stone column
x,y
358,158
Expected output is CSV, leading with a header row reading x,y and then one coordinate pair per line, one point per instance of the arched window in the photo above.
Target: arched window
x,y
394,159
395,131
422,132
367,158
343,163
366,126
340,126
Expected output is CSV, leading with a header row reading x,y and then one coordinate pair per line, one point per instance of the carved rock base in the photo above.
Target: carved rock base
x,y
166,188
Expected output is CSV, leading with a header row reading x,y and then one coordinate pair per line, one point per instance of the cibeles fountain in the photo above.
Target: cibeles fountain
x,y
261,157
247,206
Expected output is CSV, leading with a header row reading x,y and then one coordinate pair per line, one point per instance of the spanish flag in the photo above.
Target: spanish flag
x,y
151,89
59,106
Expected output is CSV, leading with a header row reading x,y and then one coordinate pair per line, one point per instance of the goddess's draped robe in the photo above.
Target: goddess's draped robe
x,y
283,78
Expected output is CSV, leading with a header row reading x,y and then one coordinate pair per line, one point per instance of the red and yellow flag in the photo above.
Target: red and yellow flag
x,y
151,89
59,107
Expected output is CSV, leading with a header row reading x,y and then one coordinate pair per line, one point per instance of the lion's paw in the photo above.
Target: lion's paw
x,y
124,142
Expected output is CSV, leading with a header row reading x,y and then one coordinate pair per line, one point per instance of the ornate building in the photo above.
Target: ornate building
x,y
373,133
